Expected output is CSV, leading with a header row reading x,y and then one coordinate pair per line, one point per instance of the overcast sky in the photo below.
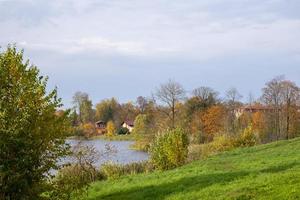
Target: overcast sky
x,y
126,48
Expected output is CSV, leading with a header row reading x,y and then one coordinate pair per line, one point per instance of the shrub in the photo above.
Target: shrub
x,y
123,131
72,182
247,138
111,129
113,170
169,150
220,143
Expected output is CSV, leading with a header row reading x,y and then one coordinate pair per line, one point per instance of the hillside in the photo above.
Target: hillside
x,y
269,171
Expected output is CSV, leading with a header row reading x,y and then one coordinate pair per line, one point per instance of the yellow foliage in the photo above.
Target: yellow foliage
x,y
111,129
88,129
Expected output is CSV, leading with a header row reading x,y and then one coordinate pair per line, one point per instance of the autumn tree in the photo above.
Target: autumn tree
x,y
272,96
213,121
290,95
128,111
83,105
32,135
170,94
259,124
140,125
107,110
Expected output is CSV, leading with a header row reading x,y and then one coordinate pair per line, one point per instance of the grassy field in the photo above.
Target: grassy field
x,y
269,171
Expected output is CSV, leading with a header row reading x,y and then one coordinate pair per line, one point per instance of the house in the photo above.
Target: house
x,y
100,127
252,109
128,124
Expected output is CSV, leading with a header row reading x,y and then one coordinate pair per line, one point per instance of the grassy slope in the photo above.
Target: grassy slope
x,y
269,171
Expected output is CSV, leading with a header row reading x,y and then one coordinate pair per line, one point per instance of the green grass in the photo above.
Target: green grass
x,y
269,171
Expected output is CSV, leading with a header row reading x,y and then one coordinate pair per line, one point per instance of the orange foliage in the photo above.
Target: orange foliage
x,y
259,122
213,121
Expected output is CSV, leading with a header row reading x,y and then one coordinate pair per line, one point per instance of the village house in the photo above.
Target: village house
x,y
100,127
252,109
128,124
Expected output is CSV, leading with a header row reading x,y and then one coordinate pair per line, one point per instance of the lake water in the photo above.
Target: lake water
x,y
123,153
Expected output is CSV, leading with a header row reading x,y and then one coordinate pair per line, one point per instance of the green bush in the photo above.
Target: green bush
x,y
123,131
113,170
72,182
169,149
247,138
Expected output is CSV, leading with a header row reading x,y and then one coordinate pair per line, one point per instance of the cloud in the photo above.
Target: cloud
x,y
153,40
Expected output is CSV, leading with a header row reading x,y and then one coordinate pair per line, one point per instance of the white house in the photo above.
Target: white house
x,y
128,124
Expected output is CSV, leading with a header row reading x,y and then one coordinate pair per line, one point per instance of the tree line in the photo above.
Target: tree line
x,y
203,114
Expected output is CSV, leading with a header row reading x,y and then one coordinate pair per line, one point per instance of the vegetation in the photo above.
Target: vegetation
x,y
113,170
169,149
269,171
32,132
172,127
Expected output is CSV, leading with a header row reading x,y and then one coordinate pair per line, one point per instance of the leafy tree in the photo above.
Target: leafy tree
x,y
32,135
107,110
111,129
140,125
213,121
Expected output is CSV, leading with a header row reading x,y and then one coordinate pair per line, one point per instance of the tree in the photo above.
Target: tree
x,y
213,121
233,97
291,95
272,96
83,105
107,110
142,103
111,129
170,94
140,125
206,95
32,135
259,124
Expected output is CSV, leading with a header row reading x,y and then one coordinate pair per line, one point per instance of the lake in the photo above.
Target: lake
x,y
123,155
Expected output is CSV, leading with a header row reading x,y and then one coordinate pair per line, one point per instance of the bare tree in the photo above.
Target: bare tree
x,y
233,95
142,103
206,95
272,95
290,95
170,94
233,98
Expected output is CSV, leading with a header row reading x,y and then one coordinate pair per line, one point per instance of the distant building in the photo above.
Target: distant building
x,y
100,127
252,109
128,124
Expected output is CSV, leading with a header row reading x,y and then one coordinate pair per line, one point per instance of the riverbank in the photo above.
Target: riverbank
x,y
270,171
128,137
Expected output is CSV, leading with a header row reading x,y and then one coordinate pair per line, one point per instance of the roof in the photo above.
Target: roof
x,y
128,122
100,122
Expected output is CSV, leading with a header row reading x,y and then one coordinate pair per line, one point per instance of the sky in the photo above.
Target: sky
x,y
127,48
